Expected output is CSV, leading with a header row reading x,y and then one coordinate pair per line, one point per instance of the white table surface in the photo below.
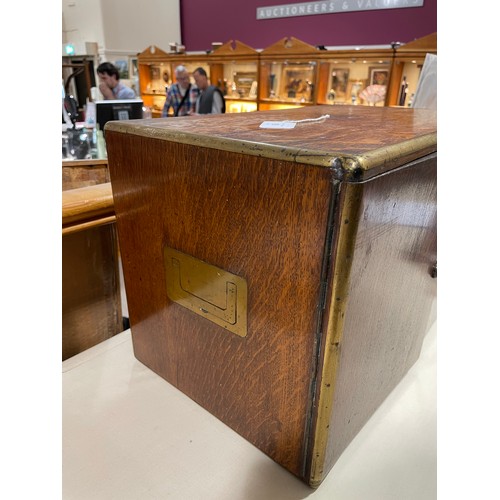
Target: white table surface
x,y
128,434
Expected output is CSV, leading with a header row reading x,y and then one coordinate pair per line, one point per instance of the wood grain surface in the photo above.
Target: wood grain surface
x,y
91,303
385,307
81,173
262,220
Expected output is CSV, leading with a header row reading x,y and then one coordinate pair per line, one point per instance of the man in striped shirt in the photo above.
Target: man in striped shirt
x,y
182,95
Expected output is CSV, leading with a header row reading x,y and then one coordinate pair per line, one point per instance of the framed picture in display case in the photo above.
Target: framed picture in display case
x,y
243,81
154,72
297,82
339,82
379,76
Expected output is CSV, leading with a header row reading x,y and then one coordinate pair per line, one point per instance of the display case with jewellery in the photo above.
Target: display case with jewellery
x,y
153,68
358,77
406,68
190,61
157,73
287,75
234,68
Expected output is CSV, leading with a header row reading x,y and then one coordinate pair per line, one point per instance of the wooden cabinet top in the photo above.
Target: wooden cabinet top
x,y
151,55
425,44
289,45
232,49
357,142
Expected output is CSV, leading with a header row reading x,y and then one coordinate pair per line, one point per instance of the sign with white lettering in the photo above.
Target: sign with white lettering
x,y
332,7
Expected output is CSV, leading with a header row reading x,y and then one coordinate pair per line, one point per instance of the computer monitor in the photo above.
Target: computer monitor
x,y
117,109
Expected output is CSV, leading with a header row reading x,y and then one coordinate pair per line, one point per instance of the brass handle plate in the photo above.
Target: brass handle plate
x,y
207,290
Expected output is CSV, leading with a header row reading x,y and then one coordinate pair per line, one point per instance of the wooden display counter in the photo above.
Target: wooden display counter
x,y
91,302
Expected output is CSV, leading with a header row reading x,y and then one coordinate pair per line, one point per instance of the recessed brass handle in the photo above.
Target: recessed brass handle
x,y
226,311
207,290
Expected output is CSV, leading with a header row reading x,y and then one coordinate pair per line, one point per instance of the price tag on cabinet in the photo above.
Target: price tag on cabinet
x,y
285,124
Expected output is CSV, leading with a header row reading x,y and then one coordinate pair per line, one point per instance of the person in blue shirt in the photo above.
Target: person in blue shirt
x,y
110,85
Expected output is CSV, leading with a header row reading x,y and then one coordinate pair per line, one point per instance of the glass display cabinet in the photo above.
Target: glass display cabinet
x,y
288,75
358,77
153,67
157,72
190,62
234,68
291,73
407,63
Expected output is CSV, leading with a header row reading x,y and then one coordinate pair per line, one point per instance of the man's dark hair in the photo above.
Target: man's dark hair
x,y
109,69
201,71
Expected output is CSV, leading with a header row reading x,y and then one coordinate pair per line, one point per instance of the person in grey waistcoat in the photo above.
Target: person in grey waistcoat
x,y
210,100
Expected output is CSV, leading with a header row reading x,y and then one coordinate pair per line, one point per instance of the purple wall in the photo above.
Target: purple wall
x,y
207,21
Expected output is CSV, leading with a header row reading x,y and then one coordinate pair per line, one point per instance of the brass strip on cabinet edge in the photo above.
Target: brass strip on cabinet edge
x,y
284,153
354,168
340,288
398,154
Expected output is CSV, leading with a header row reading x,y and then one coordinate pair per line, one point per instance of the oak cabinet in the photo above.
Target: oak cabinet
x,y
281,278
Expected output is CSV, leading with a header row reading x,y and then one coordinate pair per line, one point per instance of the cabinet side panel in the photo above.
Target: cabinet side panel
x,y
390,298
262,220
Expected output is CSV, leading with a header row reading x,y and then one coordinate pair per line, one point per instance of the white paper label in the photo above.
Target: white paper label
x,y
277,125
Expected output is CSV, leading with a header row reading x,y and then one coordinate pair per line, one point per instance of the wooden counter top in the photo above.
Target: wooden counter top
x,y
87,207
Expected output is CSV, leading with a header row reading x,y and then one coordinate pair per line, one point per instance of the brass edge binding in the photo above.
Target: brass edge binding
x,y
322,306
384,159
352,168
360,168
284,153
340,288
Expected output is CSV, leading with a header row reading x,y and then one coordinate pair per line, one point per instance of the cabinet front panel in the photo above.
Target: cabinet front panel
x,y
262,220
